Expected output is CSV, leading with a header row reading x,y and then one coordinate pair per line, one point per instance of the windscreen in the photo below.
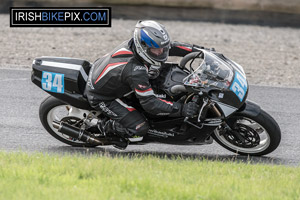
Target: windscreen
x,y
211,72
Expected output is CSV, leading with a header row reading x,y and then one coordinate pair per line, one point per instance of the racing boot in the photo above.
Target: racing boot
x,y
117,133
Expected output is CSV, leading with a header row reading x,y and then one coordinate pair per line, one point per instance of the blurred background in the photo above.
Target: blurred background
x,y
261,35
260,12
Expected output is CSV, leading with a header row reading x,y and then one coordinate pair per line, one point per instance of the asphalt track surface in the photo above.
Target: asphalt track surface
x,y
21,130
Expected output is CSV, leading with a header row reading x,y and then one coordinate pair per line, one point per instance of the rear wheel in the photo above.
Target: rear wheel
x,y
248,135
53,109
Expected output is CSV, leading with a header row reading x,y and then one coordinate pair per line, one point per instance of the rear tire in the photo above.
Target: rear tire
x,y
46,108
256,145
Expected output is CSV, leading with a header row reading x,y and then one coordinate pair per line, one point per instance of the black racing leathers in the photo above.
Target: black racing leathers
x,y
122,72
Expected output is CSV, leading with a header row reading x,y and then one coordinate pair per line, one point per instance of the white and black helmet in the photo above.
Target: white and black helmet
x,y
152,42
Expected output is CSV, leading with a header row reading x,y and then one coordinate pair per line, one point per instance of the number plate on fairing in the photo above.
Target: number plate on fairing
x,y
53,82
239,86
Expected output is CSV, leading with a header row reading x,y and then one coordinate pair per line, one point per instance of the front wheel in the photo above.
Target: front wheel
x,y
249,135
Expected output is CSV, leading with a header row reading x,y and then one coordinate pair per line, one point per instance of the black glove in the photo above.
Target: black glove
x,y
190,109
154,71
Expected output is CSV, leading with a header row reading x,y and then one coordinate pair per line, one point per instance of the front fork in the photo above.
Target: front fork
x,y
207,105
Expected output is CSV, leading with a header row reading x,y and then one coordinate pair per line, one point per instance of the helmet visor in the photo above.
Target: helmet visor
x,y
158,54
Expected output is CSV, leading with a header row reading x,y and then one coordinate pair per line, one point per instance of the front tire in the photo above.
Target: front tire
x,y
52,108
246,134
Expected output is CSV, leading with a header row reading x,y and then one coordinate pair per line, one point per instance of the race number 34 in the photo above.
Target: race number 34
x,y
53,82
239,86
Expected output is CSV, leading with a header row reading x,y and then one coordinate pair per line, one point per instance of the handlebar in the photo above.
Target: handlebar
x,y
188,57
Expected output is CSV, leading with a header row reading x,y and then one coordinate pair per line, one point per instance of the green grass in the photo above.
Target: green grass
x,y
39,176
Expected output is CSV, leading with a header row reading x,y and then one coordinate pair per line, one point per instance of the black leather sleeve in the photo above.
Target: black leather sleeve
x,y
182,49
139,83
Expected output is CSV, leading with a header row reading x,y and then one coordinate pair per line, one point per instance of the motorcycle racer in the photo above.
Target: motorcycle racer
x,y
126,70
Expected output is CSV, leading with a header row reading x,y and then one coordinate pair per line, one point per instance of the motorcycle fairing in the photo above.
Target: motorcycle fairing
x,y
63,78
239,85
223,80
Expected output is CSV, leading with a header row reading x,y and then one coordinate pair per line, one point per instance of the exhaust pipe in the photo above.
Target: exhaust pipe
x,y
77,133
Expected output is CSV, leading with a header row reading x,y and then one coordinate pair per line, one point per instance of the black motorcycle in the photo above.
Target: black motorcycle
x,y
217,84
